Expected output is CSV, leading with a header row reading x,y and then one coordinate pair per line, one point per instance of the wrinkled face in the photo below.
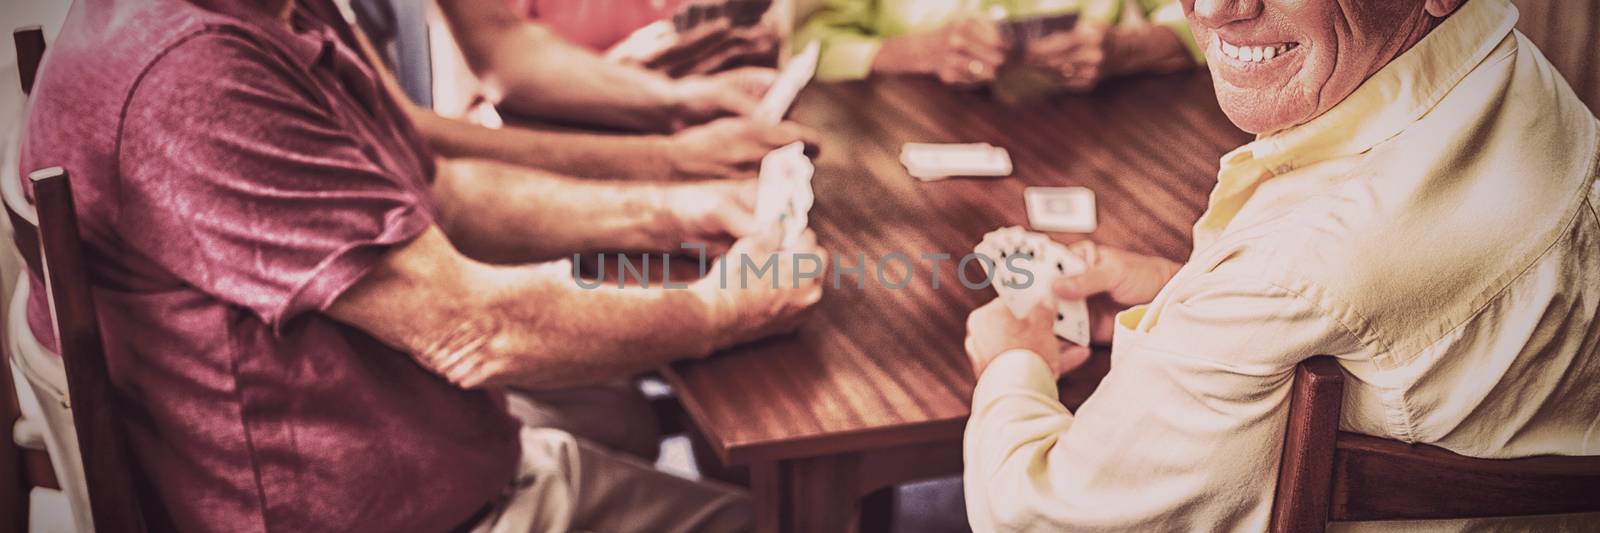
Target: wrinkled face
x,y
1280,63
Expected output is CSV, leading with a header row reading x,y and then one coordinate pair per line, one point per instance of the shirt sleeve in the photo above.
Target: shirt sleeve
x,y
849,36
237,179
1183,434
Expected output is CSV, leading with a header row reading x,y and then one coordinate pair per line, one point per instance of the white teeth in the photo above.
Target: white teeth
x,y
1254,54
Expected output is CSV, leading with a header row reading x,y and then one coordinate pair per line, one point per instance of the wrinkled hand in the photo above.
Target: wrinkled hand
x,y
714,213
1114,281
730,147
992,330
1079,57
734,92
745,307
966,52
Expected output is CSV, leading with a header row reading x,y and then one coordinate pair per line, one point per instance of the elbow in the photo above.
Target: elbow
x,y
994,502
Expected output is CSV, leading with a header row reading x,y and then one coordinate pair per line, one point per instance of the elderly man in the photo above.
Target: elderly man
x,y
1421,204
300,345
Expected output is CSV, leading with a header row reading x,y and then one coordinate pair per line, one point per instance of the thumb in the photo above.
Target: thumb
x,y
755,81
1097,279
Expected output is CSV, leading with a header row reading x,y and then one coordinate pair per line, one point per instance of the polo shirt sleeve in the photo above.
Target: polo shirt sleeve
x,y
238,180
849,35
1183,434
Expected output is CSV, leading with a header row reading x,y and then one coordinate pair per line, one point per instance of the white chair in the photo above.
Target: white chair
x,y
47,410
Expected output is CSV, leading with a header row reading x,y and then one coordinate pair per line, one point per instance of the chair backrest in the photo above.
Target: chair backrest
x,y
1328,475
1566,31
109,474
30,52
18,467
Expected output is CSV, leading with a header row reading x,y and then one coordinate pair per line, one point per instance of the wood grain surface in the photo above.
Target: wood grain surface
x,y
877,367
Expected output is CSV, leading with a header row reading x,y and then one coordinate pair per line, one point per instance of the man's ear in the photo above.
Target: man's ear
x,y
1442,8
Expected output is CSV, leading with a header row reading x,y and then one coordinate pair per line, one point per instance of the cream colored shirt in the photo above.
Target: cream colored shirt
x,y
1436,232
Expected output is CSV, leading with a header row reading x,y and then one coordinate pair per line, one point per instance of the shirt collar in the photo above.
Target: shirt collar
x,y
312,43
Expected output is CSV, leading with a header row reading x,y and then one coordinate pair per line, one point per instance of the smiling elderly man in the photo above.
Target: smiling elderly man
x,y
1421,204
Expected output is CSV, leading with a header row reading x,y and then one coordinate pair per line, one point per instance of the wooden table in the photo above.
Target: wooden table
x,y
873,391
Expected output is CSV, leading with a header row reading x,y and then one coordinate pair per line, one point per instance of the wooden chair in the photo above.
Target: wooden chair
x,y
21,469
1328,475
111,477
1566,31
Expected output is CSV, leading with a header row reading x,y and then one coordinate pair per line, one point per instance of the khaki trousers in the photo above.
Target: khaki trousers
x,y
615,415
564,484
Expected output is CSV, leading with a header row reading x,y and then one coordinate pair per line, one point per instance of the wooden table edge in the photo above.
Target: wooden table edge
x,y
746,453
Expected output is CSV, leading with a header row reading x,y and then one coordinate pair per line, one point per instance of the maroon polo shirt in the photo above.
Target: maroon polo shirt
x,y
233,174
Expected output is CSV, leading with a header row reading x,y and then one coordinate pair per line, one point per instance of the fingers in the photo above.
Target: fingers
x,y
981,40
979,33
1100,276
788,132
1087,250
737,218
806,244
1056,44
1093,281
753,81
737,103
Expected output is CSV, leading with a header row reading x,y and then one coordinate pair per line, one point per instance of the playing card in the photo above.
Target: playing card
x,y
738,13
929,161
1022,32
744,13
1045,261
1072,321
1065,209
794,77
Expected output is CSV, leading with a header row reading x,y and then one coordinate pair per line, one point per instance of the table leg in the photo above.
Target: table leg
x,y
825,494
832,493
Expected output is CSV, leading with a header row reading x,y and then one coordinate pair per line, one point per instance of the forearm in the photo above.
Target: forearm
x,y
506,214
537,74
526,326
613,156
552,333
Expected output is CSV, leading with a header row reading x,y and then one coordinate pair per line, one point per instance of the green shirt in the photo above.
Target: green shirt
x,y
851,31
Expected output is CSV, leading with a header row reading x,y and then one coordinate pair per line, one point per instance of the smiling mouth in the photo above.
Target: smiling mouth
x,y
1256,54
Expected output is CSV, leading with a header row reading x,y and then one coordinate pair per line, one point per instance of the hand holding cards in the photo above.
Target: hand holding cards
x,y
1025,265
784,195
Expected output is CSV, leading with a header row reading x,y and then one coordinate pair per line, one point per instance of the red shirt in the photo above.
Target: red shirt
x,y
232,177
